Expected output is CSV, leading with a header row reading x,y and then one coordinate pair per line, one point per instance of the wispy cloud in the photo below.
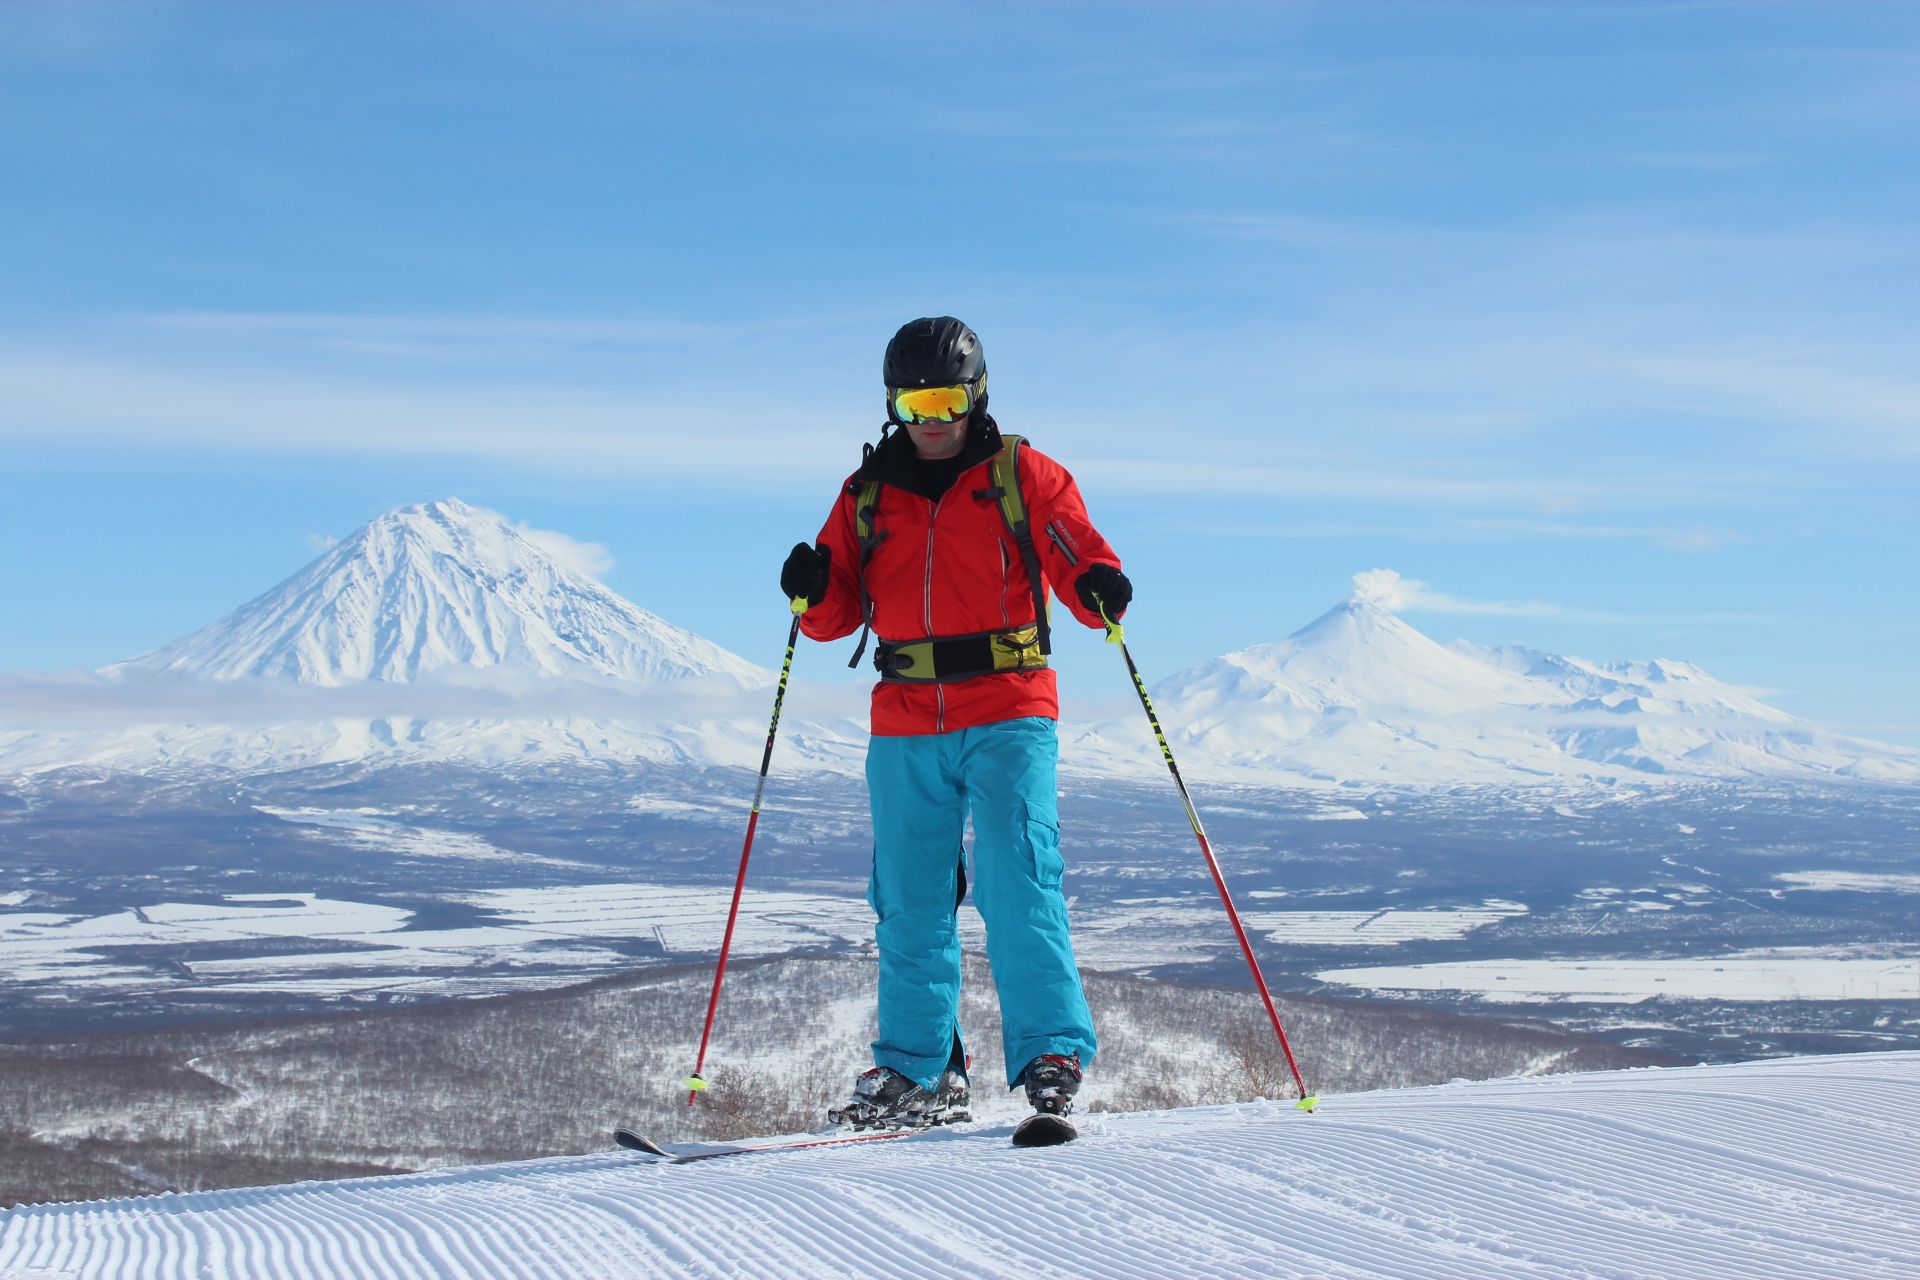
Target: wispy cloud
x,y
1696,540
1535,327
448,336
1508,372
1878,412
1389,590
79,35
590,559
1458,528
57,397
1706,162
1361,481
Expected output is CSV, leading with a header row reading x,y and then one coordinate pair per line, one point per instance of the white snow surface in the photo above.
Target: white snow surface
x,y
1799,1167
1766,976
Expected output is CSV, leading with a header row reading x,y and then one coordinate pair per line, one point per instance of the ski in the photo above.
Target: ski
x,y
690,1152
1044,1130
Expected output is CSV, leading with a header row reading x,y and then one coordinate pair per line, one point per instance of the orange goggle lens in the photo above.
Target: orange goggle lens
x,y
929,404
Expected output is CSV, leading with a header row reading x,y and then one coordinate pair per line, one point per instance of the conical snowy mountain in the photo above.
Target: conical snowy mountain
x,y
1359,695
435,633
438,587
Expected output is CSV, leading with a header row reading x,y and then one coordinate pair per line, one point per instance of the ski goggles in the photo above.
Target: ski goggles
x,y
930,404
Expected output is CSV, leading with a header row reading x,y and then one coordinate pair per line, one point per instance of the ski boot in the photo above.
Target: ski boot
x,y
1051,1080
885,1099
951,1101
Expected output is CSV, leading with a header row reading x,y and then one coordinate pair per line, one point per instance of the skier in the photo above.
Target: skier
x,y
943,545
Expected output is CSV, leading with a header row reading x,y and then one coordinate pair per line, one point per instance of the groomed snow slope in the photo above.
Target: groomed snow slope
x,y
1793,1167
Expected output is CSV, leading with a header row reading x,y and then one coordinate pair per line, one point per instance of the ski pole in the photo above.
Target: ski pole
x,y
695,1083
1116,635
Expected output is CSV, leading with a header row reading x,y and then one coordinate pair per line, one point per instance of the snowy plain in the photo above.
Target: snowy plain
x,y
1788,973
346,947
1799,1167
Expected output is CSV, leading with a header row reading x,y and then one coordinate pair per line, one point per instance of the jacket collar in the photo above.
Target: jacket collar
x,y
892,460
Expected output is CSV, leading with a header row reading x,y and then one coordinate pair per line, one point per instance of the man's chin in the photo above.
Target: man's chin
x,y
936,449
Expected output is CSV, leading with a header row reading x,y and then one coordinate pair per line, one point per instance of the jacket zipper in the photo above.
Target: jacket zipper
x,y
1061,544
939,692
1006,623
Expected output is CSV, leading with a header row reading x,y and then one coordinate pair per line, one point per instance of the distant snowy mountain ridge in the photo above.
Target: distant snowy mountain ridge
x,y
1360,696
442,632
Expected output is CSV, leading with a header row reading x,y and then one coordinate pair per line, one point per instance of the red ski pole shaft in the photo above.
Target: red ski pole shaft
x,y
695,1082
1116,634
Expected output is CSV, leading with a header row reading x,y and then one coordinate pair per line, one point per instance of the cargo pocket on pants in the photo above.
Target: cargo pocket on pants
x,y
1043,846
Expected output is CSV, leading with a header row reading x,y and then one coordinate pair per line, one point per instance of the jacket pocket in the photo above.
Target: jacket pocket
x,y
1043,846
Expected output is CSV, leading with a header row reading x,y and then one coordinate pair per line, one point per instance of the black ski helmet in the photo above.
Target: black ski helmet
x,y
935,351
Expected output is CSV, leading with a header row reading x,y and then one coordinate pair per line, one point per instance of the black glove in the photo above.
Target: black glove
x,y
1104,584
805,573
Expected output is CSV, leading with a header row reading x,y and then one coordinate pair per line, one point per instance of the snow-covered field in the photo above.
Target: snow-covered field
x,y
372,830
1786,1168
1377,928
1788,974
369,948
1850,882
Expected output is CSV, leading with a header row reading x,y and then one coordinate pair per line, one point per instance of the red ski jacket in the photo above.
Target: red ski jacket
x,y
951,568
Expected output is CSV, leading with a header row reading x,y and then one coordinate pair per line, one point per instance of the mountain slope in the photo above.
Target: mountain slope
x,y
1360,696
1785,1167
436,587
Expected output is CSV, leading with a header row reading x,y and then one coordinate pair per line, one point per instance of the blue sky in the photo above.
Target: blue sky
x,y
1598,320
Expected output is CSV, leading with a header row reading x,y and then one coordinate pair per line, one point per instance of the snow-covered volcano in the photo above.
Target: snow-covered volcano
x,y
434,587
1359,695
437,632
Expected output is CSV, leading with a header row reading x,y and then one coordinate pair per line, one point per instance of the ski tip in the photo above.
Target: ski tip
x,y
1044,1130
1308,1104
632,1141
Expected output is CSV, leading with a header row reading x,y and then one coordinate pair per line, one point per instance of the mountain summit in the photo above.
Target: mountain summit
x,y
1357,654
440,586
1359,695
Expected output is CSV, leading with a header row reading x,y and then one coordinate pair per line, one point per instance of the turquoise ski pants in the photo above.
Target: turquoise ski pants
x,y
923,788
